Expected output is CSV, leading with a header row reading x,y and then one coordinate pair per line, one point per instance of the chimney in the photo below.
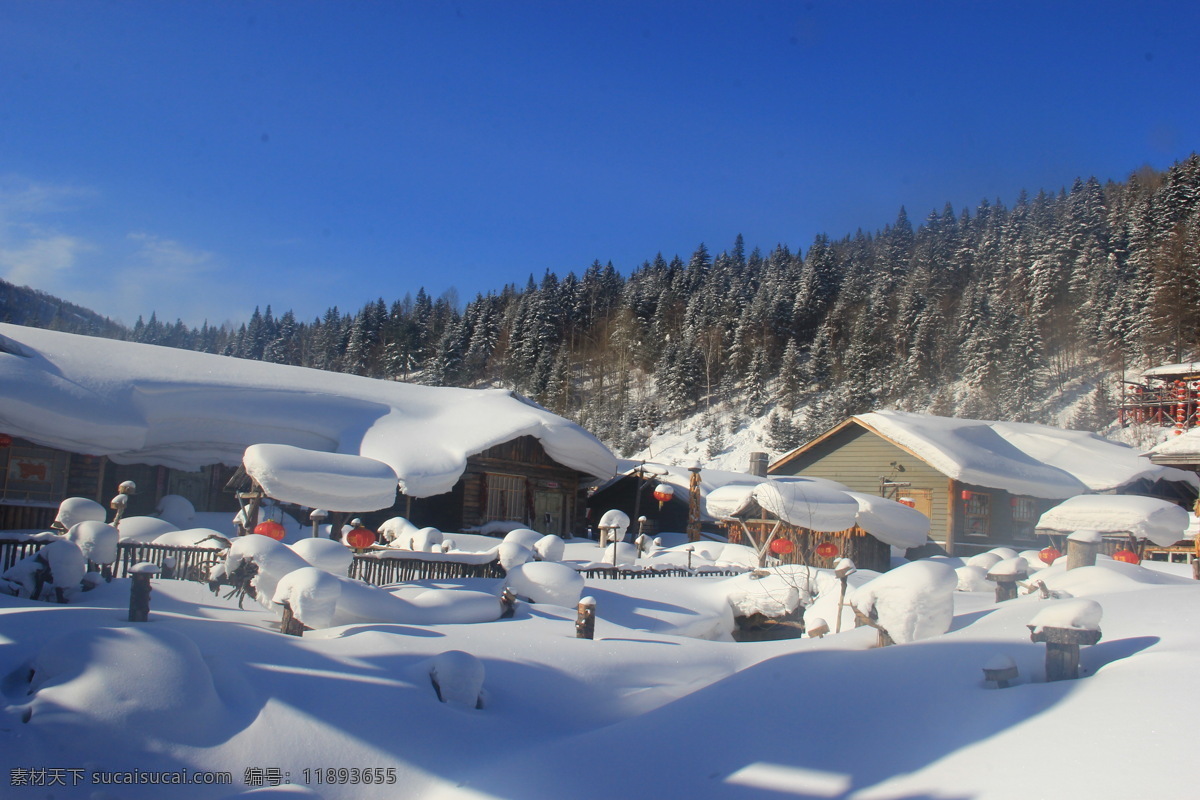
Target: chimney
x,y
758,464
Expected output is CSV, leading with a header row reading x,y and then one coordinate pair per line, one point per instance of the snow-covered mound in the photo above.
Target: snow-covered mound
x,y
97,541
332,481
546,582
103,682
139,403
915,601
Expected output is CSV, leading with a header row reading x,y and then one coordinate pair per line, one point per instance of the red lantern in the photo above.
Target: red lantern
x,y
5,440
1128,556
1050,555
781,547
662,493
828,550
966,494
270,529
908,501
360,538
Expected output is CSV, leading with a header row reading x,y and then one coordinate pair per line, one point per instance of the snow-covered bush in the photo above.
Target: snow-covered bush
x,y
973,579
915,601
457,678
626,554
546,582
58,565
984,561
144,529
397,531
326,554
96,540
613,524
74,510
312,595
524,537
194,537
513,555
427,540
177,510
550,548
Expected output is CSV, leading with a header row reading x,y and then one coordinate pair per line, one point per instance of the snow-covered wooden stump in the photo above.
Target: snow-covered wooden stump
x,y
1082,547
1000,670
139,590
288,623
508,603
1064,626
585,618
1005,574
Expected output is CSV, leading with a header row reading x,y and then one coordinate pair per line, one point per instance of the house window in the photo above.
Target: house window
x,y
505,497
1025,516
32,475
977,513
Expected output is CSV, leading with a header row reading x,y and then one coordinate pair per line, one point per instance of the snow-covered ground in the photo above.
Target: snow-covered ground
x,y
662,702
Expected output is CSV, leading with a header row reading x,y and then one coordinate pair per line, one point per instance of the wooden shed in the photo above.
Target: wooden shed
x,y
971,478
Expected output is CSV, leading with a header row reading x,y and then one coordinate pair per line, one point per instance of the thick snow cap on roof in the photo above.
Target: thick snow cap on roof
x,y
1161,522
138,403
333,481
822,505
1020,458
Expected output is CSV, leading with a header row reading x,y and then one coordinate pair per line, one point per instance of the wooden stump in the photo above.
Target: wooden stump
x,y
585,619
289,624
1006,587
139,591
1081,554
508,604
1062,650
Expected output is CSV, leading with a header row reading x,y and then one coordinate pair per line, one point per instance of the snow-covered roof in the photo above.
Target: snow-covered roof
x,y
1020,458
1161,522
1182,449
1172,370
138,403
332,481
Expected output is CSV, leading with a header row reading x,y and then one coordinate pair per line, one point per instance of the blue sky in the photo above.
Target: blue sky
x,y
202,158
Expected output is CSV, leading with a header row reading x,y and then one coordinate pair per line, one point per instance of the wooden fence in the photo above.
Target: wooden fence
x,y
382,571
677,572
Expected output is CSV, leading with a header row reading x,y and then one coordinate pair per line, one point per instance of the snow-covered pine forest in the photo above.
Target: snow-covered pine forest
x,y
996,312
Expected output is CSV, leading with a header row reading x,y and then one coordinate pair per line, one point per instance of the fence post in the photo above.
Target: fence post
x,y
139,591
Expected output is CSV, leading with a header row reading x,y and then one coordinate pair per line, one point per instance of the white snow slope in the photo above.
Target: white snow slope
x,y
641,711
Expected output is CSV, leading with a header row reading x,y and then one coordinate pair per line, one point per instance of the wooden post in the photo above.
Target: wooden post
x,y
585,618
289,624
1062,649
693,523
843,573
139,591
168,567
1000,670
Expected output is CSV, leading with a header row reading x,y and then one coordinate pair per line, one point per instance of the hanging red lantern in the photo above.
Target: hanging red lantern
x,y
360,538
966,494
662,493
1128,556
5,440
908,501
781,547
1050,554
828,550
271,529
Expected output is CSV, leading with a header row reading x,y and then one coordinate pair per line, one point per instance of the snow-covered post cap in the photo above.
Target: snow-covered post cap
x,y
1000,669
844,568
145,568
1064,626
1005,574
817,628
1082,546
